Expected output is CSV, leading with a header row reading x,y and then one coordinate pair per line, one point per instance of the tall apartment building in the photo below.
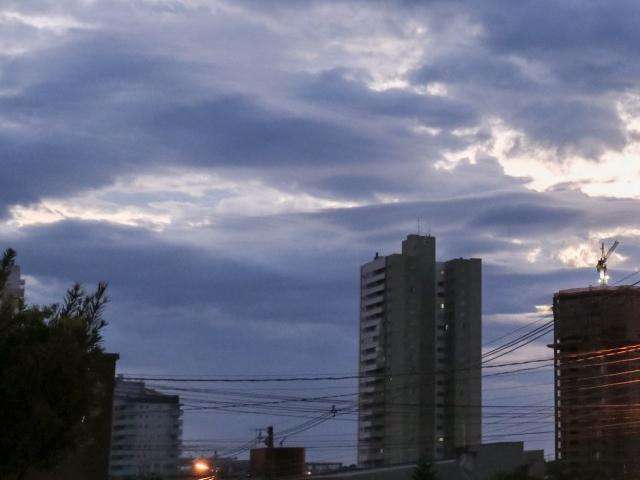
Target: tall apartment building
x,y
420,331
15,285
146,432
597,385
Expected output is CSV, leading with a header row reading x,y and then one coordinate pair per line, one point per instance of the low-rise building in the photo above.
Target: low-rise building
x,y
146,432
475,462
277,462
317,468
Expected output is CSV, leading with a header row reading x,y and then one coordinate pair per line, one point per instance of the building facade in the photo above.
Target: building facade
x,y
477,462
146,432
277,462
420,332
597,386
14,287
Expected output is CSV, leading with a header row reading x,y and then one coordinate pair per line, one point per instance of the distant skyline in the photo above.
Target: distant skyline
x,y
227,166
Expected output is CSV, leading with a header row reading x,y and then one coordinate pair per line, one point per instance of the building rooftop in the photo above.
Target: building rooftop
x,y
596,289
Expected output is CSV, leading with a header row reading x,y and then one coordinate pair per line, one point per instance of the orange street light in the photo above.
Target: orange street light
x,y
201,466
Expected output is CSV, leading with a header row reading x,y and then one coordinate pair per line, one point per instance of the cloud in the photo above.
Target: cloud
x,y
514,220
227,166
540,313
335,90
175,198
57,24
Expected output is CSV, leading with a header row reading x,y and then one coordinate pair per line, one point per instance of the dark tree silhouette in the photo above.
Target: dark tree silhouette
x,y
48,375
517,474
424,471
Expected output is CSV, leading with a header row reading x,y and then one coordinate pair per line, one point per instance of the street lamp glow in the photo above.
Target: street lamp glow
x,y
201,466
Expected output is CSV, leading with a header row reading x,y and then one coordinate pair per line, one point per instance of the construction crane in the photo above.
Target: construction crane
x,y
601,266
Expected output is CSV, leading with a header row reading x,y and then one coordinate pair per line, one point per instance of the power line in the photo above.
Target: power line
x,y
519,329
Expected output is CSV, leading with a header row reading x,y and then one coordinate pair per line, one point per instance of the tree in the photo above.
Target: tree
x,y
584,470
424,471
518,474
558,470
49,386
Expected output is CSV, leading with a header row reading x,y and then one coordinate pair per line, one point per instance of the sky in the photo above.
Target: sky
x,y
227,166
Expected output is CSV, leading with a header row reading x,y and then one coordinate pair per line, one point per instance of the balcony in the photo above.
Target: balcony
x,y
374,288
376,301
375,278
372,314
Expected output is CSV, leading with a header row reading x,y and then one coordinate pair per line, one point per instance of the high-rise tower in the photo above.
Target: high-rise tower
x,y
597,384
420,331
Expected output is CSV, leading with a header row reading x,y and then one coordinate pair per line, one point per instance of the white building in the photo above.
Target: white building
x,y
146,431
15,285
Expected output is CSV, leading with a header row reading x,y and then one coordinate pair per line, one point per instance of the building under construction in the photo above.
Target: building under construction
x,y
597,381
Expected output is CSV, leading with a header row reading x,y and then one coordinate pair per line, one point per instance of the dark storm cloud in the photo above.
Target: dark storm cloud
x,y
564,26
215,311
475,67
102,104
276,94
72,105
101,108
583,126
418,180
234,131
51,163
590,46
333,88
305,284
518,289
441,214
547,113
361,186
525,218
142,268
552,69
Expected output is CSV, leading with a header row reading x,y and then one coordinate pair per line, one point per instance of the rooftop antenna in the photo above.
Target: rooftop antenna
x,y
601,266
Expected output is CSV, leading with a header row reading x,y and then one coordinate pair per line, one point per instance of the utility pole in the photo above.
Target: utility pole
x,y
268,441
